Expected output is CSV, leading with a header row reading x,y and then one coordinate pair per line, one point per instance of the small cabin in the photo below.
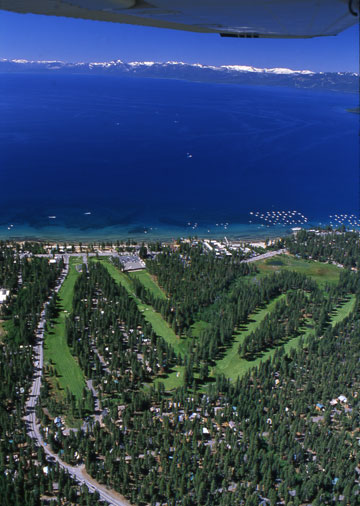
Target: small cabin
x,y
4,294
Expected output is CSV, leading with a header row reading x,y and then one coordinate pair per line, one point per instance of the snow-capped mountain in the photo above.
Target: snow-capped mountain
x,y
234,74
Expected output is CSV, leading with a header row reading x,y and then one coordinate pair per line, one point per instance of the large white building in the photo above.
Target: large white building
x,y
4,294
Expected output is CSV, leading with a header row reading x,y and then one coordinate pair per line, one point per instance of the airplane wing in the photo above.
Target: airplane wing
x,y
229,18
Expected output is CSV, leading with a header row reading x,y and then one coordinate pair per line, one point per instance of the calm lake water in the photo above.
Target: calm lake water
x,y
115,157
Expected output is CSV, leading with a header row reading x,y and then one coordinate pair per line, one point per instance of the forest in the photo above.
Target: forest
x,y
338,246
283,430
26,477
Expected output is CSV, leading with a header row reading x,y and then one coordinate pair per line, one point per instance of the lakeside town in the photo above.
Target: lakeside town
x,y
121,349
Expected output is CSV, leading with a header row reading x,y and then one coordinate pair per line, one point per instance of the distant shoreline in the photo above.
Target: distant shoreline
x,y
354,110
344,82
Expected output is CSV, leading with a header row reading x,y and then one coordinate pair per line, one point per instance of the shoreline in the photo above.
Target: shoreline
x,y
139,232
147,238
233,233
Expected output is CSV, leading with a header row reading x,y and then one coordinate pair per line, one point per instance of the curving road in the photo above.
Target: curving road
x,y
76,472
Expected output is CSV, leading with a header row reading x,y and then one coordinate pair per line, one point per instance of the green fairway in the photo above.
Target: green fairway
x,y
320,272
232,365
160,326
117,275
163,329
56,350
174,380
198,327
343,310
240,368
147,280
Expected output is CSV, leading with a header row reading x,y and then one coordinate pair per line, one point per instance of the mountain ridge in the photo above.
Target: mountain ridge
x,y
233,74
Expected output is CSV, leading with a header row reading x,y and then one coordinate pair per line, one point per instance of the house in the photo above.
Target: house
x,y
4,294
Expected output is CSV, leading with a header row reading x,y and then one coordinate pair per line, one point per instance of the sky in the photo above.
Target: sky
x,y
34,37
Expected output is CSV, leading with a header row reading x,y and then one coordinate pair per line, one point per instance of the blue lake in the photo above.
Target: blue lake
x,y
164,158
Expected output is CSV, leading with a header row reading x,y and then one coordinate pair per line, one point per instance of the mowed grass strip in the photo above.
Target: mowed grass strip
x,y
342,311
173,380
149,283
320,272
159,325
198,327
232,365
245,365
56,350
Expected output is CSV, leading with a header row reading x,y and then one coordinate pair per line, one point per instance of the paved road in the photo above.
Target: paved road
x,y
95,394
265,255
76,472
131,262
101,358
